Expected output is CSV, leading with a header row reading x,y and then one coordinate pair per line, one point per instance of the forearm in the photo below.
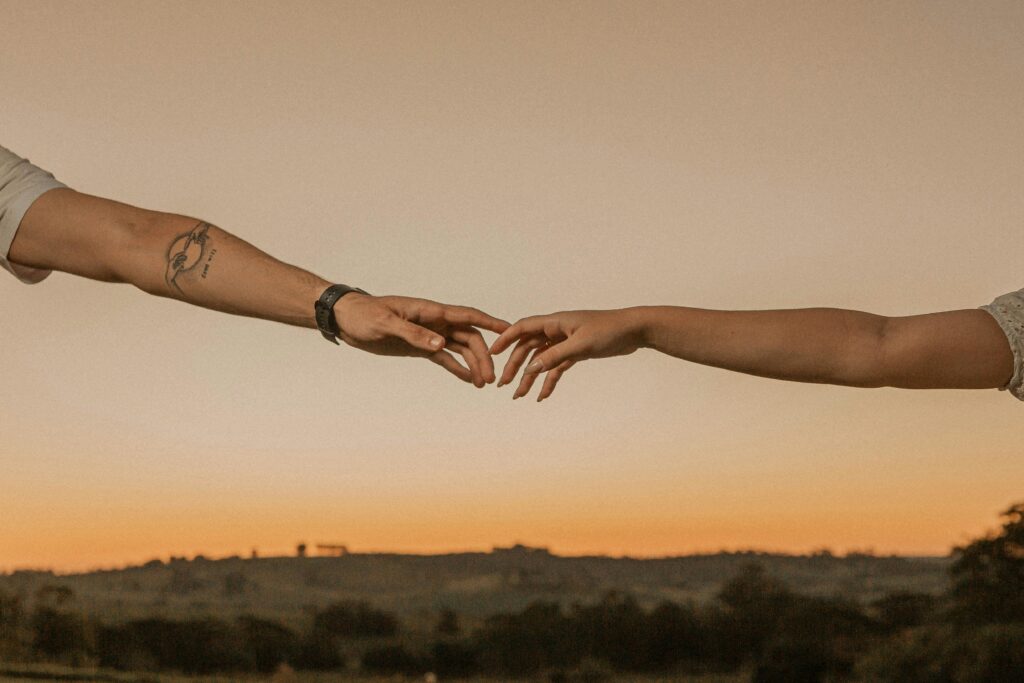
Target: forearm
x,y
808,345
163,254
202,264
961,349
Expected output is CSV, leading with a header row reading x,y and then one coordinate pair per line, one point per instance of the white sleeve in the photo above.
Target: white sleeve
x,y
1008,310
21,183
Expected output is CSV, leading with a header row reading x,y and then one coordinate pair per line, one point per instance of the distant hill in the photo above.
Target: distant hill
x,y
475,585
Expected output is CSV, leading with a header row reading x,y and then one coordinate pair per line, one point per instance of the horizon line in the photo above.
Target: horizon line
x,y
823,552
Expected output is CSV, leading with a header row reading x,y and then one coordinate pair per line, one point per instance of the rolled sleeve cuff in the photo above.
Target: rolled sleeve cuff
x,y
1008,310
14,212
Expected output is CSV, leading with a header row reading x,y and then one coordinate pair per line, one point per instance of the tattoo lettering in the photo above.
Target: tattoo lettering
x,y
209,259
186,252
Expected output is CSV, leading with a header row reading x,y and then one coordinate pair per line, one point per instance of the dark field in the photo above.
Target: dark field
x,y
475,585
522,613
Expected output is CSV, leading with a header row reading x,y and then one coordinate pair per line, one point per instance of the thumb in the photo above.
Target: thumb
x,y
417,337
571,349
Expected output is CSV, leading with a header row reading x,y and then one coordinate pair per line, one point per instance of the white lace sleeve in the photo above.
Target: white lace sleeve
x,y
1008,310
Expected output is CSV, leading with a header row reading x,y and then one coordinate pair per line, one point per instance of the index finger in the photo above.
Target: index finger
x,y
522,328
464,315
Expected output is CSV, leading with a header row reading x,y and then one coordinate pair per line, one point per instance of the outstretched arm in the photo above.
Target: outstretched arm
x,y
963,349
189,259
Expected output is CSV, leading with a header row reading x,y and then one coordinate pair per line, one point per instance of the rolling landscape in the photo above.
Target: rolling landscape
x,y
526,613
475,585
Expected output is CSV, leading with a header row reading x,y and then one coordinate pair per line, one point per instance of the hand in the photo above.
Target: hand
x,y
403,326
559,340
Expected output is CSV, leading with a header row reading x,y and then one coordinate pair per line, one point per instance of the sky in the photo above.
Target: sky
x,y
521,157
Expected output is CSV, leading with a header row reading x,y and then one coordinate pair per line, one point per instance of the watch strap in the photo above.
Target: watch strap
x,y
324,310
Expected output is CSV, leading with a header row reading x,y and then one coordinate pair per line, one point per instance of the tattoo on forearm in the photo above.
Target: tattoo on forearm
x,y
186,252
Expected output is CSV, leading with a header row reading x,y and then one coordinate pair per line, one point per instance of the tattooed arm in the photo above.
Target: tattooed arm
x,y
162,254
189,259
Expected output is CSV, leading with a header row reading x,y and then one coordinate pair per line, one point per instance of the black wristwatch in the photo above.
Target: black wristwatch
x,y
324,310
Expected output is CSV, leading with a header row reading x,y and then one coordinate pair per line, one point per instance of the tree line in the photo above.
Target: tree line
x,y
755,623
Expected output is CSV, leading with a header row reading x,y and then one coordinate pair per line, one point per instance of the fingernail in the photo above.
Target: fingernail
x,y
501,383
535,366
435,342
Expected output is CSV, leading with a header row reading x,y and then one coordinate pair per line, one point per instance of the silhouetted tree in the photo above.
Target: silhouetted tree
x,y
949,653
988,574
318,651
792,661
675,635
454,659
526,643
268,643
751,606
59,635
903,609
615,630
12,617
201,646
819,634
351,619
120,647
393,659
448,623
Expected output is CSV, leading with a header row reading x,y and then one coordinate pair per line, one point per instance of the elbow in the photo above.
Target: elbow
x,y
865,362
131,239
145,237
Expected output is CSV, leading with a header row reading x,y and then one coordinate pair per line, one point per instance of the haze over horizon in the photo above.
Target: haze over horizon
x,y
522,158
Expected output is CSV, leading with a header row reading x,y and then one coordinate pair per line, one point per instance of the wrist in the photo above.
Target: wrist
x,y
325,309
650,326
639,321
343,308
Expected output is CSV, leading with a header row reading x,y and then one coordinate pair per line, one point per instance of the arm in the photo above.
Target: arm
x,y
957,349
188,259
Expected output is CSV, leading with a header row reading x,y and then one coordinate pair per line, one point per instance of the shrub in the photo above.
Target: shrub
x,y
351,619
60,636
393,659
947,654
268,643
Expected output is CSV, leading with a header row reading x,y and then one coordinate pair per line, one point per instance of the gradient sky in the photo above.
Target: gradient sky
x,y
523,158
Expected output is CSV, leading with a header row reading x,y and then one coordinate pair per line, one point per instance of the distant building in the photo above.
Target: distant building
x,y
300,550
332,549
520,549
